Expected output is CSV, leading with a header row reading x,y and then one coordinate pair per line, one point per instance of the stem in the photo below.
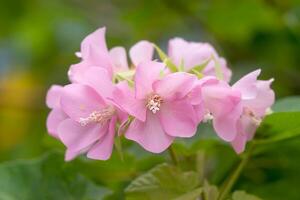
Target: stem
x,y
235,174
173,155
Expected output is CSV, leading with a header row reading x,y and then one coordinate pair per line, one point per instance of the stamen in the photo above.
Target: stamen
x,y
154,103
208,117
101,116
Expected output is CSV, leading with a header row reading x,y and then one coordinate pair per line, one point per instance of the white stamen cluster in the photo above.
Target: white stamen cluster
x,y
154,103
101,116
208,117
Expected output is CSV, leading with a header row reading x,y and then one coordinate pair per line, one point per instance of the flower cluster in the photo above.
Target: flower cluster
x,y
152,102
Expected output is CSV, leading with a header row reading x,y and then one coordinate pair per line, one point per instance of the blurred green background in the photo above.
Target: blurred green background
x,y
38,39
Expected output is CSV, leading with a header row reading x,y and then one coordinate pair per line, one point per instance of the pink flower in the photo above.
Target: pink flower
x,y
90,117
222,104
160,106
191,54
257,97
94,53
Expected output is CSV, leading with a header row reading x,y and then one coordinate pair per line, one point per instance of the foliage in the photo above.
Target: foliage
x,y
46,178
35,46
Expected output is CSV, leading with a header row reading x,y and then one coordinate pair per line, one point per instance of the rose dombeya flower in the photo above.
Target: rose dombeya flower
x,y
153,105
161,106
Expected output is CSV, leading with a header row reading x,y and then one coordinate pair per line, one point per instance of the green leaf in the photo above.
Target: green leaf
x,y
211,192
163,182
279,126
241,195
275,174
288,104
46,178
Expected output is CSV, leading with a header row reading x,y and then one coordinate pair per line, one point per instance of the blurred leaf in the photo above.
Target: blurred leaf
x,y
193,195
279,126
163,182
275,174
46,178
288,104
241,195
211,192
242,21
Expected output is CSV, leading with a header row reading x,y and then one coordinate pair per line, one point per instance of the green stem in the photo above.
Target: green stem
x,y
225,190
173,155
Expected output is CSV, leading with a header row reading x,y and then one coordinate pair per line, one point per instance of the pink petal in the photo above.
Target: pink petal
x,y
100,59
247,126
94,59
224,104
195,95
146,74
239,143
96,39
119,58
178,119
70,155
175,85
247,85
225,125
99,79
220,98
55,117
53,96
265,98
125,99
189,53
77,137
200,112
149,134
141,52
208,80
79,101
103,148
76,71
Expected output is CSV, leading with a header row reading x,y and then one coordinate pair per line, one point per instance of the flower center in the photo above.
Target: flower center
x,y
101,116
154,103
208,117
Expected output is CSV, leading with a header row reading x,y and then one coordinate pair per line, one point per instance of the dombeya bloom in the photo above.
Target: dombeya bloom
x,y
256,98
94,53
152,102
222,102
91,120
159,105
191,54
